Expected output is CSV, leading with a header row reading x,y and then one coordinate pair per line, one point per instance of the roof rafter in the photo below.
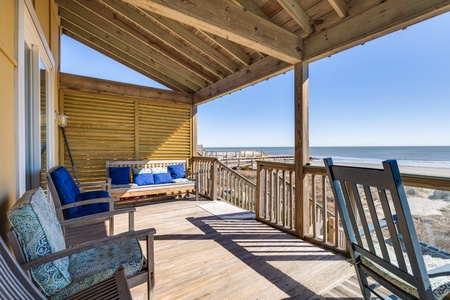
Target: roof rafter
x,y
231,48
250,6
142,46
192,39
298,14
259,71
123,9
232,23
113,52
375,22
340,7
140,39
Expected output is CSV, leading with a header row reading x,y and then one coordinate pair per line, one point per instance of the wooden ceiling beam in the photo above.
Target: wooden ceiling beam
x,y
228,66
257,72
129,61
119,46
380,20
108,87
250,6
176,45
341,7
232,23
83,17
140,39
230,47
298,14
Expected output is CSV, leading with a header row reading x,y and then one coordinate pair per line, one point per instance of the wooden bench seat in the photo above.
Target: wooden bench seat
x,y
125,191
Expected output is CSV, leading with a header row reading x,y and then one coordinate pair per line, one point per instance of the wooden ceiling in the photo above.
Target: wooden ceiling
x,y
209,48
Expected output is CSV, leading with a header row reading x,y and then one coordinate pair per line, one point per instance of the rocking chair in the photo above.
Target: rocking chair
x,y
382,238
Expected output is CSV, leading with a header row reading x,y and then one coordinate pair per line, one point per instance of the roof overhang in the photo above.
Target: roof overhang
x,y
210,48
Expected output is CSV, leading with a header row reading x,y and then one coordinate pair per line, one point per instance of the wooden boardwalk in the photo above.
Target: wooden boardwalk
x,y
201,256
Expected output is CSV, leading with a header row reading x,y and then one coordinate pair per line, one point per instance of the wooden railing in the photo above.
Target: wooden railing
x,y
276,194
273,197
325,225
218,181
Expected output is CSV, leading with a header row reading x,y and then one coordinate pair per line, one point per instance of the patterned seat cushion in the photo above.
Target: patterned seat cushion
x,y
92,266
34,221
433,259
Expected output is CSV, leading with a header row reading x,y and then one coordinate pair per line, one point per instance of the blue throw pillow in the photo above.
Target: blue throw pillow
x,y
162,178
119,175
144,179
176,171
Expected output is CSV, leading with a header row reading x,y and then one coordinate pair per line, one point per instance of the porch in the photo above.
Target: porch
x,y
201,256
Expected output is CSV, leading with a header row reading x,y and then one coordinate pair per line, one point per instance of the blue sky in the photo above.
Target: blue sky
x,y
393,91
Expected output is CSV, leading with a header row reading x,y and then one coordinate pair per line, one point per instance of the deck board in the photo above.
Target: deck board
x,y
200,256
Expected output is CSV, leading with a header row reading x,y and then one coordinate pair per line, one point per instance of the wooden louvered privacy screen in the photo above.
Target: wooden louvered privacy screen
x,y
104,127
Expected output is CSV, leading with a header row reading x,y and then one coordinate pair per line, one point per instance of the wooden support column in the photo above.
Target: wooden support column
x,y
301,148
194,131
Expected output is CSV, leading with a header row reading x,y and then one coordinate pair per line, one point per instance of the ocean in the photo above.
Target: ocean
x,y
421,156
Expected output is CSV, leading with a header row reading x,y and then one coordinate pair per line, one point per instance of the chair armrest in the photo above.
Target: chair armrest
x,y
440,271
90,201
96,217
106,186
88,245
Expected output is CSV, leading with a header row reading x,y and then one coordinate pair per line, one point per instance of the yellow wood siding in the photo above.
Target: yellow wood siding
x,y
104,127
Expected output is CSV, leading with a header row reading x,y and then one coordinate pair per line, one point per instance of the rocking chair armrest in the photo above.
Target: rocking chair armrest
x,y
89,201
97,217
439,271
88,245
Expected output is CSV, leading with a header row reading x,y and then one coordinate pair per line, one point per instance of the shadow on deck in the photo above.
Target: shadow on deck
x,y
201,256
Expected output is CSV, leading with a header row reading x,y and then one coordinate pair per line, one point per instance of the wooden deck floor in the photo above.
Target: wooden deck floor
x,y
200,256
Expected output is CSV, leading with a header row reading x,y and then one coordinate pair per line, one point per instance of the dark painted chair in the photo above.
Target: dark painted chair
x,y
72,202
381,235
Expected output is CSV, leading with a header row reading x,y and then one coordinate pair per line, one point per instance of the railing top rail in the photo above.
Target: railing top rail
x,y
249,182
275,165
412,180
203,158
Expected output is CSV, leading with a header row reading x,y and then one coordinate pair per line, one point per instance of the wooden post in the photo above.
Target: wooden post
x,y
258,205
331,230
314,207
301,148
194,131
137,150
213,172
324,210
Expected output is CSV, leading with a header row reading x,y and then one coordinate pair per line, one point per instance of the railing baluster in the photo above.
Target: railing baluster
x,y
324,211
314,205
277,197
292,200
284,204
